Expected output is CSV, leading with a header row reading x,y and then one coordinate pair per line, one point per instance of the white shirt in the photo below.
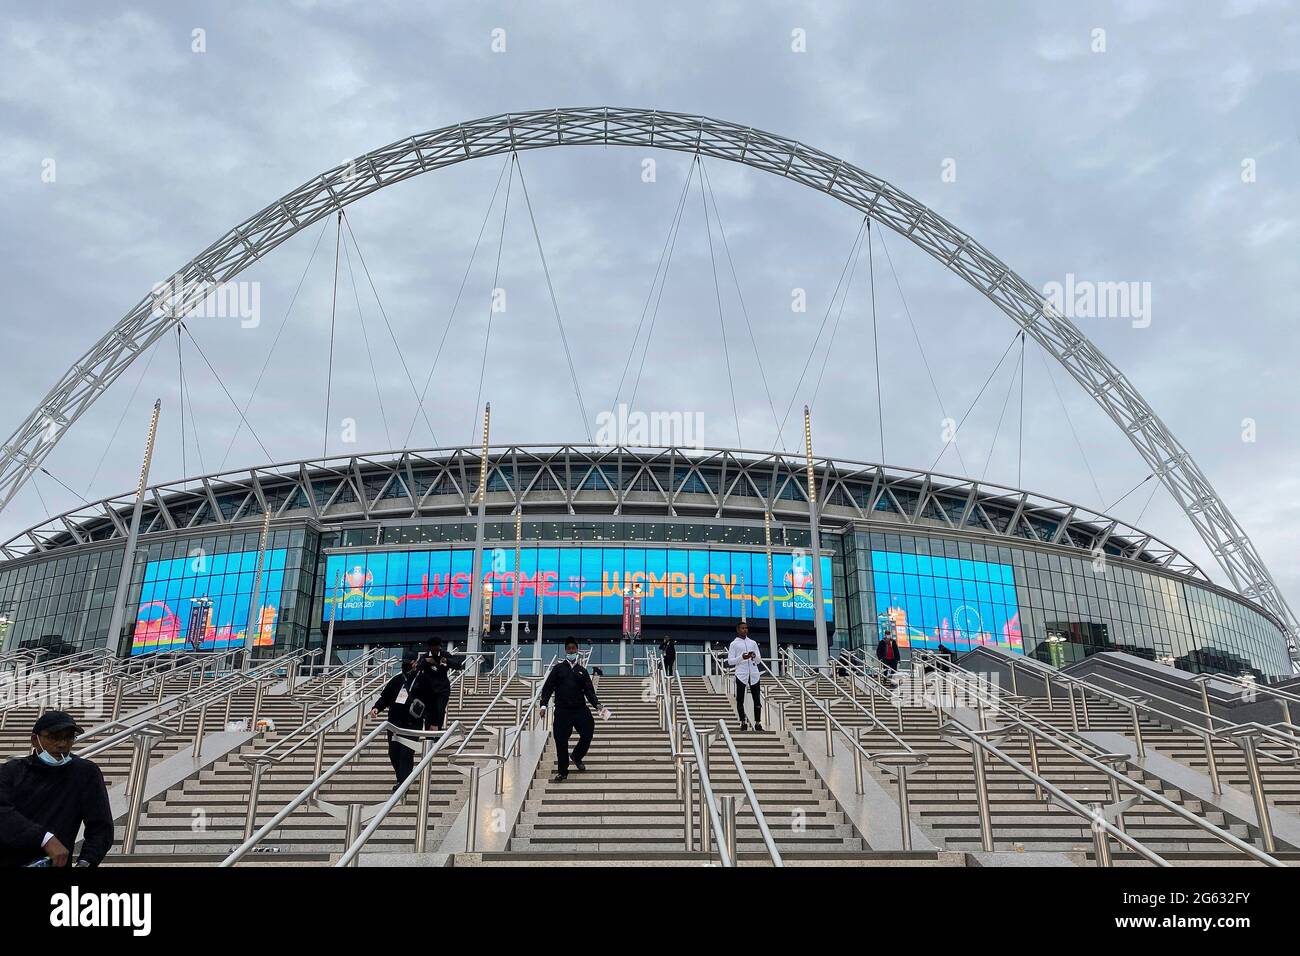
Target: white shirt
x,y
747,671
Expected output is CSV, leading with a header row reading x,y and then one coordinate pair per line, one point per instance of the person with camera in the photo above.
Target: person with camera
x,y
745,657
407,698
48,796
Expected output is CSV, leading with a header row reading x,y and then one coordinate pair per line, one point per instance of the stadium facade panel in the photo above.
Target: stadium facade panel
x,y
382,545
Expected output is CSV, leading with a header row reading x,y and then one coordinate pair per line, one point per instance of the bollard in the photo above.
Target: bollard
x,y
727,807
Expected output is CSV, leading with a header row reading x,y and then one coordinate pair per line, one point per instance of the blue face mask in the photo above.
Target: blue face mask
x,y
49,759
571,658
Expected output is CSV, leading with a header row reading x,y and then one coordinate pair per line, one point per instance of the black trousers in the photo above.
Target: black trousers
x,y
669,664
401,757
756,694
437,715
567,720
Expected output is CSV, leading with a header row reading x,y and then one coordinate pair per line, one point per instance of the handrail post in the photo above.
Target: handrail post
x,y
254,795
1100,838
471,817
143,745
501,761
706,816
318,761
803,705
727,807
982,797
830,733
1257,793
858,786
1011,666
1047,681
519,726
361,720
200,731
1212,764
1205,703
904,809
1074,712
1137,733
257,704
352,830
1033,764
422,808
688,803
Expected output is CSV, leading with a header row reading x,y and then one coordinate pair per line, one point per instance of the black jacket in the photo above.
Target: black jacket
x,y
571,685
36,799
669,649
419,686
438,667
882,653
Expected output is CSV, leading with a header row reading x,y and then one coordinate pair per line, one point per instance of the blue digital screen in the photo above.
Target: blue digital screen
x,y
959,603
687,582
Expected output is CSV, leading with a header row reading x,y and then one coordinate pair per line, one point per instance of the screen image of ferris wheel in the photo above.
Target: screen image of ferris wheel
x,y
204,602
961,604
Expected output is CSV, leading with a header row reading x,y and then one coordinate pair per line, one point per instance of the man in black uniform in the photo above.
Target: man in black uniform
x,y
46,797
571,685
438,665
406,697
668,647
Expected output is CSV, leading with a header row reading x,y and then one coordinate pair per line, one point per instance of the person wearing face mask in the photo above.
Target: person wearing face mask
x,y
573,690
406,697
47,797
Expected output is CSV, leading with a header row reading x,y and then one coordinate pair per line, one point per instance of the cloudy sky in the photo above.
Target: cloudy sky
x,y
1145,142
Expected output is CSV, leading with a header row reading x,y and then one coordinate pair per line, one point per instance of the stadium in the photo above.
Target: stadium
x,y
1072,691
938,558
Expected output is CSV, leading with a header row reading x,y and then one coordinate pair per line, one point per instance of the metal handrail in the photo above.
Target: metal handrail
x,y
351,852
702,769
1054,736
1101,827
310,791
748,787
364,687
880,724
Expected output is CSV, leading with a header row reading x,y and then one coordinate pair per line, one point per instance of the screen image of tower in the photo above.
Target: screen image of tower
x,y
932,600
203,602
689,582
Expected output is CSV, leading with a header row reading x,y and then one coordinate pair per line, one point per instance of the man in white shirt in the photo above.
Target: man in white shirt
x,y
745,657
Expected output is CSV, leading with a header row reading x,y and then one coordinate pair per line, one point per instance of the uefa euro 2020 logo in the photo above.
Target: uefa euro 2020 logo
x,y
358,578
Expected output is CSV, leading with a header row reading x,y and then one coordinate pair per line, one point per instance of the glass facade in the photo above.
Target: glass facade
x,y
1048,602
1068,605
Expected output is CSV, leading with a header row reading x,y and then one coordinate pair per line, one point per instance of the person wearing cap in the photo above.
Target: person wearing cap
x,y
406,698
47,797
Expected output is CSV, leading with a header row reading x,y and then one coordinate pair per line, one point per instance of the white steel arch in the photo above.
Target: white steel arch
x,y
158,312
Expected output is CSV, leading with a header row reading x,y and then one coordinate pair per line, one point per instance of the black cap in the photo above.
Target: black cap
x,y
55,720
